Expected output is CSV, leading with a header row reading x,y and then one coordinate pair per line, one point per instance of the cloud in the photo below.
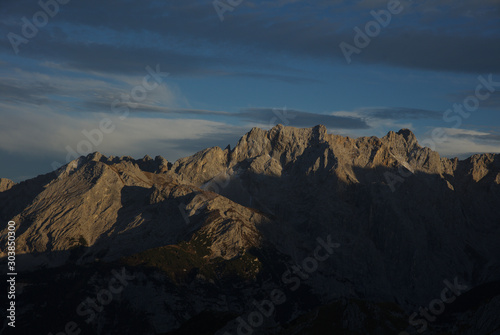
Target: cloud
x,y
38,134
75,91
230,136
34,93
492,102
264,117
284,78
398,113
473,135
110,59
462,142
190,40
139,108
35,131
457,132
289,117
435,51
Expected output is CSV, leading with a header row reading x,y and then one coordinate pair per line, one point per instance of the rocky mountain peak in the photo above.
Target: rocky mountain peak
x,y
291,133
408,135
320,130
95,156
6,184
403,135
404,143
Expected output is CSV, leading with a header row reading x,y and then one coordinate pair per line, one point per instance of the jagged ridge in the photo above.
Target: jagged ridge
x,y
405,217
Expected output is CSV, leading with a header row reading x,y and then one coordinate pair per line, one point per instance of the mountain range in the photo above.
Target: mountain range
x,y
292,231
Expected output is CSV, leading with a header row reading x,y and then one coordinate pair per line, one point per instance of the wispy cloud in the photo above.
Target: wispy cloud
x,y
48,133
272,116
492,102
169,32
463,142
398,113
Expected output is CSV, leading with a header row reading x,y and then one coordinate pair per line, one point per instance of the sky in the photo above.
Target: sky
x,y
170,78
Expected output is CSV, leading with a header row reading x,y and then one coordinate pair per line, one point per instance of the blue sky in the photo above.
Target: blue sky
x,y
266,62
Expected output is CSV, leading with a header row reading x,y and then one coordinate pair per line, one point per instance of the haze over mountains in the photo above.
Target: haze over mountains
x,y
357,235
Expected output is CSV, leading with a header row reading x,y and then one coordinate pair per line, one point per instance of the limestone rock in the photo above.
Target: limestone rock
x,y
6,184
